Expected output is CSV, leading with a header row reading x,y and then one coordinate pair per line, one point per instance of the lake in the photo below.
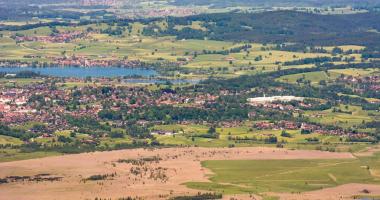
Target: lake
x,y
162,81
82,72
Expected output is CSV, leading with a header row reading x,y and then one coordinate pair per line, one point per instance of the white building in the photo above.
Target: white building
x,y
274,98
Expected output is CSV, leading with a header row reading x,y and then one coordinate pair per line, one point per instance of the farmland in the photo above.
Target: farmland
x,y
179,164
290,176
138,41
171,100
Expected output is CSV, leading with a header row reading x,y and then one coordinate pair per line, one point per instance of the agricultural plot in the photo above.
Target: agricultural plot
x,y
132,44
194,135
6,140
287,176
346,116
278,113
316,77
166,172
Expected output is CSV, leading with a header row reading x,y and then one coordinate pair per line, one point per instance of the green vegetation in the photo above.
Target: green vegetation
x,y
8,155
199,196
259,176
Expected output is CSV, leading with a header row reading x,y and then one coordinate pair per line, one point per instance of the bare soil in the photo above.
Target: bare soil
x,y
134,172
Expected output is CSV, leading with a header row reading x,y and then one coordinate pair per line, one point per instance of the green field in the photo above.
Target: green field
x,y
315,77
191,135
259,176
134,45
346,117
8,155
9,140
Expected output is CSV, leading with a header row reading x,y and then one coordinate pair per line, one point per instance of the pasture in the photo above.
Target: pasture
x,y
343,116
178,165
289,176
246,136
315,77
132,44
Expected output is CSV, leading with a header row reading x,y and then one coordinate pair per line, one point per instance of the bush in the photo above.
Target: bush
x,y
285,134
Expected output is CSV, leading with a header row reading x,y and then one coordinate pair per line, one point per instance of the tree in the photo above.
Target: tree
x,y
211,130
285,134
117,134
64,139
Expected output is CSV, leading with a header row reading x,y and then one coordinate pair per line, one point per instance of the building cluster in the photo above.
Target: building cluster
x,y
283,103
13,106
99,2
305,128
362,83
54,38
171,12
263,100
88,62
50,104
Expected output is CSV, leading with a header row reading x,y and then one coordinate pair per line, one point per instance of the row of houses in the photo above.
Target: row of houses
x,y
54,38
305,128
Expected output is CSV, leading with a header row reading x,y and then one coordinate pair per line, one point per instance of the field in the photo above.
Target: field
x,y
329,76
136,46
107,138
165,177
191,135
347,117
286,176
9,140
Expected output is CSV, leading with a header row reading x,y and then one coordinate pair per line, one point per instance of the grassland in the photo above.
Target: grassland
x,y
4,140
315,77
8,155
345,116
134,45
191,135
182,164
260,176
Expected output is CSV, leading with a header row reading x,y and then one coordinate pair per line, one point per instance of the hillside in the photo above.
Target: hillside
x,y
281,27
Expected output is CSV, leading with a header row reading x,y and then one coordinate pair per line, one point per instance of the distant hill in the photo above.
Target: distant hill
x,y
283,26
270,3
36,2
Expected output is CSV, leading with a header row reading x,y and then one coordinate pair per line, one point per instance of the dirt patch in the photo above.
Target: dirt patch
x,y
369,151
135,172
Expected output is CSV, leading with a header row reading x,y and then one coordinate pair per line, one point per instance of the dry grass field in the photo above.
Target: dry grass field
x,y
147,173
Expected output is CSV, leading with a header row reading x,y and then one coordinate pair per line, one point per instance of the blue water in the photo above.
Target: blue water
x,y
82,72
161,81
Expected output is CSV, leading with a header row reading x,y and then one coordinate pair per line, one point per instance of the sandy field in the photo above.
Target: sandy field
x,y
145,173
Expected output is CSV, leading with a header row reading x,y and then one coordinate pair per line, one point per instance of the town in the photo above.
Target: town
x,y
53,105
189,99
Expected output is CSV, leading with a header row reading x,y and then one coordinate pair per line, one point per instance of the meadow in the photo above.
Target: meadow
x,y
290,176
316,77
179,165
134,45
345,116
191,135
226,151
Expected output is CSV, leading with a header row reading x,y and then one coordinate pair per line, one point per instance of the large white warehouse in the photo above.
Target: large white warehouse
x,y
274,98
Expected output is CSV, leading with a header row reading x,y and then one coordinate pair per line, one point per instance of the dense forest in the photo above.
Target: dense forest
x,y
314,3
280,27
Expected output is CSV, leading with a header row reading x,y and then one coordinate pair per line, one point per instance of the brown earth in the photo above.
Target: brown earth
x,y
369,151
158,179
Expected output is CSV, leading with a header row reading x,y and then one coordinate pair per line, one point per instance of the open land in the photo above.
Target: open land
x,y
270,102
161,177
